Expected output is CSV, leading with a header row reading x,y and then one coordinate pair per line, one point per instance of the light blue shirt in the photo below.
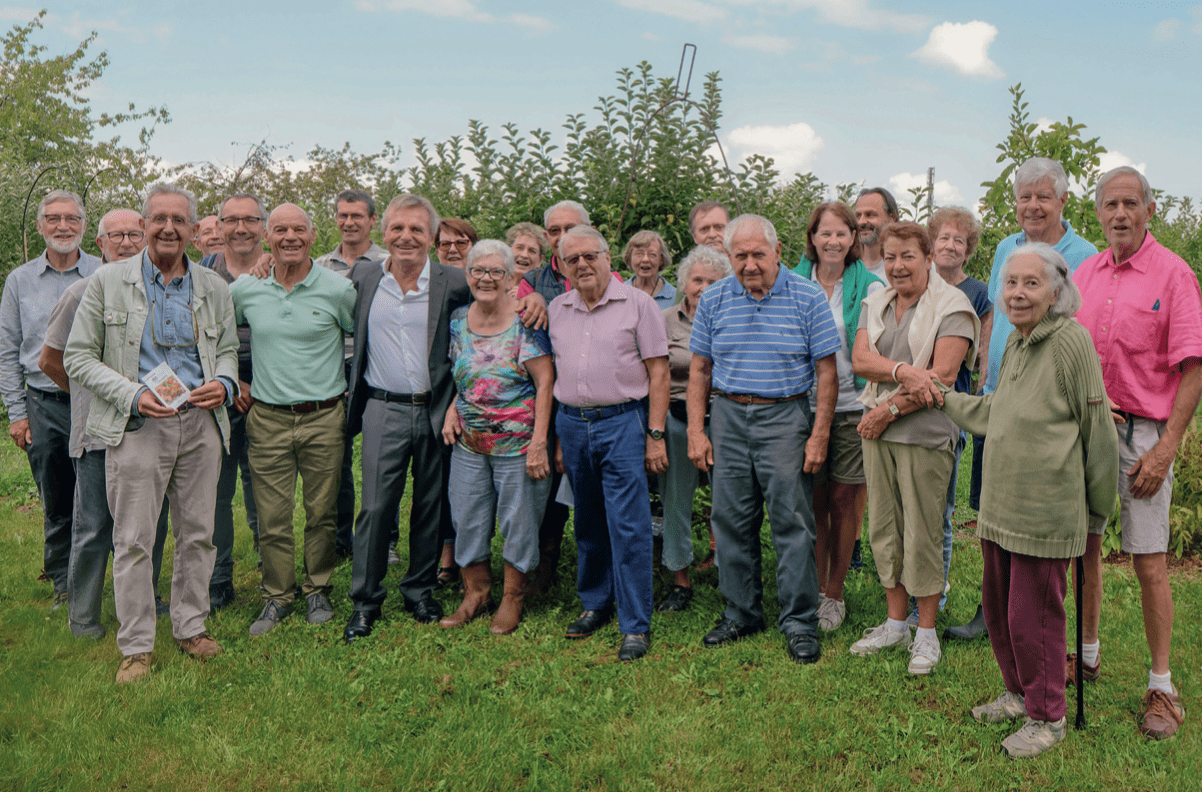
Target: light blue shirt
x,y
1072,247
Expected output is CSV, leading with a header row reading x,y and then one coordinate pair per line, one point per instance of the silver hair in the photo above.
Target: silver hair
x,y
705,256
409,201
1038,169
308,220
583,231
579,209
166,188
241,196
491,247
531,230
1122,170
1068,298
762,223
62,195
647,239
104,220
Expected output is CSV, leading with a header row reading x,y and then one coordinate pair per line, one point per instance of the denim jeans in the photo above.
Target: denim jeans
x,y
487,491
54,473
223,518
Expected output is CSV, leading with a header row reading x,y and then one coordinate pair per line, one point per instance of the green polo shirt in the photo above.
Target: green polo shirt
x,y
296,336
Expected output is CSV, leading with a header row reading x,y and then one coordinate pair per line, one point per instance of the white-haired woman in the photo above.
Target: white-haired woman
x,y
701,268
498,425
647,255
1051,460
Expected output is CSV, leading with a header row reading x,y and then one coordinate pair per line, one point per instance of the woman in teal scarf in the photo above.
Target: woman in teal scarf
x,y
840,493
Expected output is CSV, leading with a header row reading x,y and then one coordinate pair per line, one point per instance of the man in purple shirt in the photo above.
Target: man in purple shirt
x,y
611,355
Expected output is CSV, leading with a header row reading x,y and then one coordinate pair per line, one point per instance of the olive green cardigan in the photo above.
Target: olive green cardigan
x,y
1051,464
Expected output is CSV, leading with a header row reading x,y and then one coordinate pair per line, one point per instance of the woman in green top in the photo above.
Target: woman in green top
x,y
1050,467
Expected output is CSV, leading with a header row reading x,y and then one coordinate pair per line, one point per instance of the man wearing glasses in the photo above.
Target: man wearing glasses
x,y
137,317
39,411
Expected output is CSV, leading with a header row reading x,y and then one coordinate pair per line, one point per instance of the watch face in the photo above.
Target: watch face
x,y
656,434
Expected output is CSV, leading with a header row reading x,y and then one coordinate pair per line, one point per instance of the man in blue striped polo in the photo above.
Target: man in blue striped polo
x,y
763,340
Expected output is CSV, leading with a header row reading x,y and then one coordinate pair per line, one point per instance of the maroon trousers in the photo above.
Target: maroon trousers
x,y
1023,600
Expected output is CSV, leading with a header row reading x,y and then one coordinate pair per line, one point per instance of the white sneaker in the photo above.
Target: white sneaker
x,y
1034,738
831,613
924,655
1005,707
878,638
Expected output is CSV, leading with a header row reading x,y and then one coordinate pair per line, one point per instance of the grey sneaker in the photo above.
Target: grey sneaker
x,y
393,558
924,655
831,613
320,610
273,613
1007,706
878,638
1034,738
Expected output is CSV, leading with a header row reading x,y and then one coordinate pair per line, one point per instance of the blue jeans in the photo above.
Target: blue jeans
x,y
487,491
49,416
604,460
223,519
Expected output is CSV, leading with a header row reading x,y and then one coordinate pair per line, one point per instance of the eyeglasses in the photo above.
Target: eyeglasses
x,y
496,273
249,222
117,236
71,220
590,258
462,244
162,220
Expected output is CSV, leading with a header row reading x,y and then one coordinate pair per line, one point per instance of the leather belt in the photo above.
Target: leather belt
x,y
54,395
750,398
599,413
399,398
303,407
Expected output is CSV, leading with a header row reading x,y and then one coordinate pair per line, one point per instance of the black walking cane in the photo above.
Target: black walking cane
x,y
1080,723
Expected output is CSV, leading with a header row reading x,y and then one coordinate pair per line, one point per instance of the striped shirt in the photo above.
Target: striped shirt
x,y
764,347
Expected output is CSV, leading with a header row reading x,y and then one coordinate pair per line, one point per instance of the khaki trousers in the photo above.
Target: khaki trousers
x,y
282,444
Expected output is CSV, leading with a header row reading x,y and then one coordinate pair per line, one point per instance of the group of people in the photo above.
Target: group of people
x,y
511,387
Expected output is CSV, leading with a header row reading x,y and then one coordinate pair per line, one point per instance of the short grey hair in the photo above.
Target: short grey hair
x,y
167,188
62,195
308,219
409,201
530,230
1038,169
575,206
491,247
104,220
583,231
1122,170
1068,299
704,256
646,239
242,196
763,224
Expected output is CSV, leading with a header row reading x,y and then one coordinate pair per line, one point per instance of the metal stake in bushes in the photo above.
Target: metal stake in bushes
x,y
1080,723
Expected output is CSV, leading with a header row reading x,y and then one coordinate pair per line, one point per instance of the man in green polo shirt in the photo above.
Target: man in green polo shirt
x,y
296,424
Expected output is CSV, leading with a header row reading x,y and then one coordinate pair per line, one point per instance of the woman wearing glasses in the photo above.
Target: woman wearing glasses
x,y
454,239
498,425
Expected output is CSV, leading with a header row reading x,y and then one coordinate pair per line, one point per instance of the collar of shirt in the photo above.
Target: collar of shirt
x,y
778,286
614,290
44,261
423,280
152,274
1138,261
374,253
308,280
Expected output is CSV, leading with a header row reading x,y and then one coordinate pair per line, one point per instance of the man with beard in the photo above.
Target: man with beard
x,y
875,209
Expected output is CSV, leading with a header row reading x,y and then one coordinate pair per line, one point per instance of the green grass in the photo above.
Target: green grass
x,y
416,707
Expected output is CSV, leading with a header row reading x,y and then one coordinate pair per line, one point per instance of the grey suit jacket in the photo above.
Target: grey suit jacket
x,y
448,291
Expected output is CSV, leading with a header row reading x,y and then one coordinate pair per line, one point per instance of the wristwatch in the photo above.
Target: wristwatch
x,y
893,409
655,434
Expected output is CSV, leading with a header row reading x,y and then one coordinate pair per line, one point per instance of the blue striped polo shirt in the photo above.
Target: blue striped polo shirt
x,y
764,347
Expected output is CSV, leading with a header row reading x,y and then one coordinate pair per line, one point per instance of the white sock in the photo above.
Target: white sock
x,y
1089,653
895,625
1161,681
926,632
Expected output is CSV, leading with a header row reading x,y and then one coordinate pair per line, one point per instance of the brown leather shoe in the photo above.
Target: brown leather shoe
x,y
1161,714
133,668
1090,672
201,646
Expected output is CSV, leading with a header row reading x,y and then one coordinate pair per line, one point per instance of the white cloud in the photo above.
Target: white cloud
x,y
1115,159
688,10
791,146
1196,13
859,14
454,9
1166,30
19,14
945,193
1043,125
961,47
761,42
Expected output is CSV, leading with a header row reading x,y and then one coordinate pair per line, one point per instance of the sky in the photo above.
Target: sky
x,y
862,91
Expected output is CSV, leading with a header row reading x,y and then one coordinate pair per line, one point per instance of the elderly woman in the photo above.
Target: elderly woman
x,y
454,239
1051,459
832,261
701,268
498,424
916,329
529,245
646,255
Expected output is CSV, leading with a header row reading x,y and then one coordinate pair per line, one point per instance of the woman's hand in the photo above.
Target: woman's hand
x,y
874,422
450,426
919,383
537,466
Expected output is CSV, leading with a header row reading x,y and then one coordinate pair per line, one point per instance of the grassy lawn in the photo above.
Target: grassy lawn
x,y
417,707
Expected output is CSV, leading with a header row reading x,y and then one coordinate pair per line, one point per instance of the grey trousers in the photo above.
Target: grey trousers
x,y
223,518
758,458
50,461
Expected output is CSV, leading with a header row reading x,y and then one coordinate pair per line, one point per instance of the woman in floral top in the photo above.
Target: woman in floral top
x,y
498,425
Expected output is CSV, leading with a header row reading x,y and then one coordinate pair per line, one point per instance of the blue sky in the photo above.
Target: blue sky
x,y
854,90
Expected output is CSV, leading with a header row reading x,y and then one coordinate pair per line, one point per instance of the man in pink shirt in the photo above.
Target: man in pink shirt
x,y
1142,306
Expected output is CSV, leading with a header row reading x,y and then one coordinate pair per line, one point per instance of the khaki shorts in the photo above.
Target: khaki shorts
x,y
1144,521
844,453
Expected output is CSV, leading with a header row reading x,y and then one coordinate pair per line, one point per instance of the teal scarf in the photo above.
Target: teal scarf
x,y
856,280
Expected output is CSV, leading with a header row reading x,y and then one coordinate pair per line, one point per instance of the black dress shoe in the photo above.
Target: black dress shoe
x,y
589,622
803,647
677,600
971,631
634,646
359,625
425,610
727,630
221,596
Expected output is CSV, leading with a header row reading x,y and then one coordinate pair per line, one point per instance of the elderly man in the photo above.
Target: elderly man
x,y
208,236
875,209
1040,193
119,235
355,216
707,224
39,411
1142,307
147,314
611,358
297,317
764,340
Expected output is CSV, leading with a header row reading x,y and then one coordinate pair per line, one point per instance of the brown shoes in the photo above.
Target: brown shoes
x,y
477,582
133,668
509,615
1161,714
1090,672
201,646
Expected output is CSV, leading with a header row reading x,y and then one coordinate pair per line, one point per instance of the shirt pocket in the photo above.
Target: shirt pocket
x,y
208,349
116,324
1142,331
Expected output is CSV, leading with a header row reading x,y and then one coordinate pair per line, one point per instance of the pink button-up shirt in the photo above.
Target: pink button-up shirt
x,y
1145,318
599,354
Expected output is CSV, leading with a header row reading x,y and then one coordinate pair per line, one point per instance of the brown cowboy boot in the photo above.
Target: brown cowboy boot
x,y
509,615
477,581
